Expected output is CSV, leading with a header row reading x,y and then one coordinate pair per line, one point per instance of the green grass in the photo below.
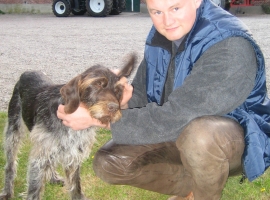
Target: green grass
x,y
96,189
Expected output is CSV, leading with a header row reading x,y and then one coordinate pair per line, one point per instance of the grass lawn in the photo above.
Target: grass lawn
x,y
96,189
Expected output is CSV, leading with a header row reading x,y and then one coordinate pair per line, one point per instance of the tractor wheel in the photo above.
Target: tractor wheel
x,y
222,3
118,7
61,8
99,8
122,4
78,12
227,5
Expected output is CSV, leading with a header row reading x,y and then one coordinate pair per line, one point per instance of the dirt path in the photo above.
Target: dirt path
x,y
64,47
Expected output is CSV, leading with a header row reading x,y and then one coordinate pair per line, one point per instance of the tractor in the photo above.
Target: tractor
x,y
95,8
225,4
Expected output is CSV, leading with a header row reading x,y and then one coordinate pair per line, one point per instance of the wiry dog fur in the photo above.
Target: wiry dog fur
x,y
34,104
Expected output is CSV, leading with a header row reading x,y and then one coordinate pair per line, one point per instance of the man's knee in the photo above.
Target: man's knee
x,y
211,149
103,166
111,166
219,136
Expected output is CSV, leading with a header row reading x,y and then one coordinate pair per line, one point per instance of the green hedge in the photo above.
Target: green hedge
x,y
266,8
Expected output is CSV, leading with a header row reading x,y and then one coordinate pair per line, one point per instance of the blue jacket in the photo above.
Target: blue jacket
x,y
212,26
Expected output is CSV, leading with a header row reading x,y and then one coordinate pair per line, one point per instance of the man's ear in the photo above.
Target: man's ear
x,y
198,3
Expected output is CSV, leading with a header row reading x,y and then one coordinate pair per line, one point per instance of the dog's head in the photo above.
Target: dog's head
x,y
97,88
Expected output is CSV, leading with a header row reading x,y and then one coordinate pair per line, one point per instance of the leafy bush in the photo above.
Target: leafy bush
x,y
266,8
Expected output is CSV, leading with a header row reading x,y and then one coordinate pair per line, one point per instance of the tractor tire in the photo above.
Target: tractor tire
x,y
61,8
225,4
118,7
78,12
99,8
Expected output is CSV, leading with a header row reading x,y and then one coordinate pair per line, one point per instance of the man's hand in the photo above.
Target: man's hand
x,y
81,119
78,120
127,92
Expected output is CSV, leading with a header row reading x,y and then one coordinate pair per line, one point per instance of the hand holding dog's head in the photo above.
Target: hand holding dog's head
x,y
98,89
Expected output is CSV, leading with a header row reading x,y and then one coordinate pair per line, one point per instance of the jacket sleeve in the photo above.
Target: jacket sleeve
x,y
139,97
220,81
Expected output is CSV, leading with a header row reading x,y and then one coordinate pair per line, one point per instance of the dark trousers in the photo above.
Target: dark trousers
x,y
206,153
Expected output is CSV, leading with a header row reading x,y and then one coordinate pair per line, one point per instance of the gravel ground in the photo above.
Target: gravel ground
x,y
64,47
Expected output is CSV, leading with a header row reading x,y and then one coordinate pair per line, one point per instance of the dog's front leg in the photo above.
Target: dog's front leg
x,y
73,183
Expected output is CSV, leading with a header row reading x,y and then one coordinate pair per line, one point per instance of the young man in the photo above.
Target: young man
x,y
198,110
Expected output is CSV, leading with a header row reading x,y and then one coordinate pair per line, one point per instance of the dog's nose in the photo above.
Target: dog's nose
x,y
113,107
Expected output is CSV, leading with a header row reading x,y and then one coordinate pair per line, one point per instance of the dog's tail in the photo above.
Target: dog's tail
x,y
14,132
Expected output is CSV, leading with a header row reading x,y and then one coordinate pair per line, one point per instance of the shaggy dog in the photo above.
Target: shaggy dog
x,y
33,105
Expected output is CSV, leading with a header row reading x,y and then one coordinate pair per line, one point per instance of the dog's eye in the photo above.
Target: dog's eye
x,y
101,83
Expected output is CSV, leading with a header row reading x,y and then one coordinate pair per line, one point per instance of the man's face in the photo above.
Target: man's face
x,y
173,18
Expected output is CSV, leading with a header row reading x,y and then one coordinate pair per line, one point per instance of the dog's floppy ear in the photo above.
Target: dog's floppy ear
x,y
129,67
70,94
